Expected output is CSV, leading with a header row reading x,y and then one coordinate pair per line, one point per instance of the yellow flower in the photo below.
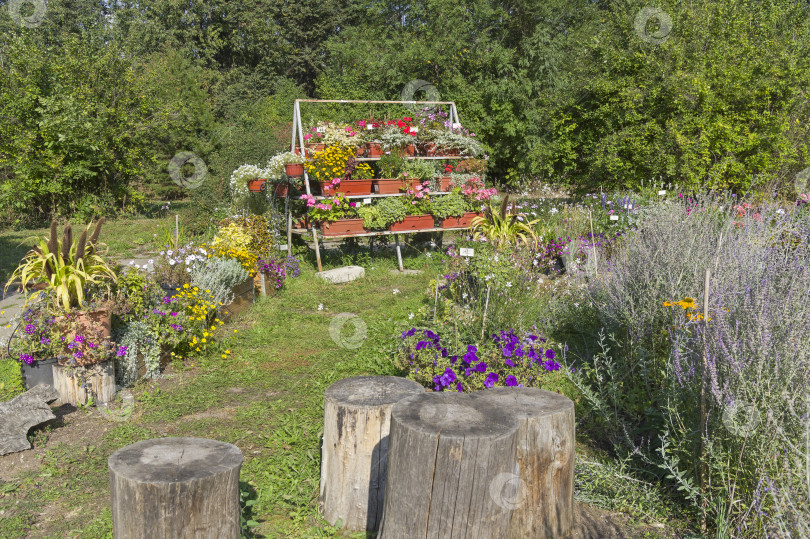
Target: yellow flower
x,y
185,285
667,304
203,341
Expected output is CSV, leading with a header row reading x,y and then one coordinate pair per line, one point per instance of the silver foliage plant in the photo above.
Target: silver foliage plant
x,y
139,339
746,460
219,275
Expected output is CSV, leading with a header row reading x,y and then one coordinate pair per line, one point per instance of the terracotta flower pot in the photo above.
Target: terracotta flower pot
x,y
347,187
281,190
444,183
387,186
460,222
257,186
294,170
373,149
343,227
413,222
427,149
410,150
315,147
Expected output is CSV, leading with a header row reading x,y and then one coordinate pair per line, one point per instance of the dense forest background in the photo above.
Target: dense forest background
x,y
97,96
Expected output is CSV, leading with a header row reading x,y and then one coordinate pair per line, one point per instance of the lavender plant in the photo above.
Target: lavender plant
x,y
710,402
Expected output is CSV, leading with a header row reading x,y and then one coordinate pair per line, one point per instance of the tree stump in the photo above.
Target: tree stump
x,y
357,415
176,488
100,380
541,492
447,450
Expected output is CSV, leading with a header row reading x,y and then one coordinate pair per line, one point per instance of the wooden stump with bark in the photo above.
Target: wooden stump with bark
x,y
97,382
448,457
541,491
176,488
357,414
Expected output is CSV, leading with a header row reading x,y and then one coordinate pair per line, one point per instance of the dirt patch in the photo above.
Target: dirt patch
x,y
212,413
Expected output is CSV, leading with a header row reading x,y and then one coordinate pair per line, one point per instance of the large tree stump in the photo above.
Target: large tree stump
x,y
357,415
446,452
176,488
541,492
18,415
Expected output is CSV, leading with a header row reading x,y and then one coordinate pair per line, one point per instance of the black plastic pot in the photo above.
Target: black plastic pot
x,y
38,372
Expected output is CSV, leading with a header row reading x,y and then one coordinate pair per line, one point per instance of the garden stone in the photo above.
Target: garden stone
x,y
342,275
406,272
21,413
357,416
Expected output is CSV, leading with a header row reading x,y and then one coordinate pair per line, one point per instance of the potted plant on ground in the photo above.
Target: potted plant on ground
x,y
338,216
35,343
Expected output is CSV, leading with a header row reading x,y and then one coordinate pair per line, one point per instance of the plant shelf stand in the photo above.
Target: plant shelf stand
x,y
298,140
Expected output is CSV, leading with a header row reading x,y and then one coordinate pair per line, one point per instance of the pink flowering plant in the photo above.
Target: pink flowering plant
x,y
505,359
333,209
417,199
473,190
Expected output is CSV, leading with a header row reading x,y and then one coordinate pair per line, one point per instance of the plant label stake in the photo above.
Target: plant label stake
x,y
176,231
283,247
366,201
436,298
467,251
264,287
614,217
484,318
663,192
593,247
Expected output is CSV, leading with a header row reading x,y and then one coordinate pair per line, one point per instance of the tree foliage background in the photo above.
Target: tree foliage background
x,y
97,97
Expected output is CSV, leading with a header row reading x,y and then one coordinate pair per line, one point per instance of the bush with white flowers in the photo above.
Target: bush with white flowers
x,y
275,166
241,176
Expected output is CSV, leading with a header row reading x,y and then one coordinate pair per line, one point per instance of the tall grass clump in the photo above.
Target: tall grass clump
x,y
715,408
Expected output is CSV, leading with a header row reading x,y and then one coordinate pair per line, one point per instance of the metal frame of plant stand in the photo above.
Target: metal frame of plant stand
x,y
298,130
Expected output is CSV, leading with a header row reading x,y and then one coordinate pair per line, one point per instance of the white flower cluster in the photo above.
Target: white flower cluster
x,y
187,255
240,177
275,166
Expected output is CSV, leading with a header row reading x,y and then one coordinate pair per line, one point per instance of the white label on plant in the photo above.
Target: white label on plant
x,y
456,125
283,247
366,201
466,251
369,127
662,193
320,129
414,129
614,217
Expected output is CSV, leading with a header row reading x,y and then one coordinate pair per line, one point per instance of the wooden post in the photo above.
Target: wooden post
x,y
317,249
593,246
176,487
484,317
354,462
263,282
447,454
436,298
542,493
176,231
704,382
289,231
399,253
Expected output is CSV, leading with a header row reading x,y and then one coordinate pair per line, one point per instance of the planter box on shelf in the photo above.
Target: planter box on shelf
x,y
347,187
427,149
100,385
312,148
257,186
244,296
387,186
294,170
460,222
281,190
410,150
413,222
343,227
444,183
303,222
373,149
38,372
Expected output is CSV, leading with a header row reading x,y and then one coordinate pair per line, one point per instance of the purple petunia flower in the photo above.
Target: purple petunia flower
x,y
511,381
26,358
30,329
481,367
122,350
491,379
550,354
45,340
